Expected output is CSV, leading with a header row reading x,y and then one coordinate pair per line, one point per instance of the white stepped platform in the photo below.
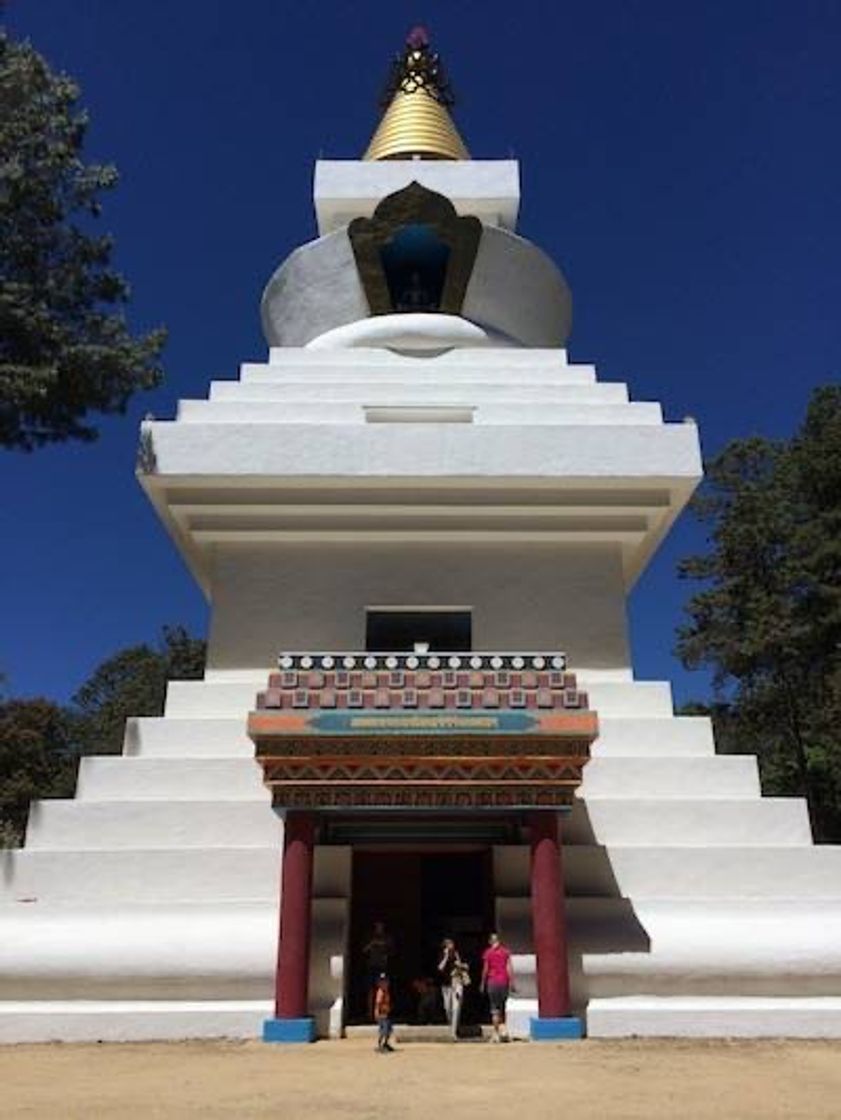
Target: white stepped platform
x,y
599,453
719,872
766,967
359,389
675,737
130,1020
697,821
132,875
80,949
233,699
169,737
250,873
724,776
701,946
211,699
714,1017
683,872
511,363
173,779
231,779
555,357
475,411
106,825
640,699
158,736
102,825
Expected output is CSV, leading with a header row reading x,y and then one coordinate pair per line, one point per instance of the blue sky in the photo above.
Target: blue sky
x,y
679,161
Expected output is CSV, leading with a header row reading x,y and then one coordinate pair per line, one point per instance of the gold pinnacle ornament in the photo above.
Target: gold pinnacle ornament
x,y
416,121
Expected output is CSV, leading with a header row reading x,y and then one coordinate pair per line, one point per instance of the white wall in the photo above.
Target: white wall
x,y
314,597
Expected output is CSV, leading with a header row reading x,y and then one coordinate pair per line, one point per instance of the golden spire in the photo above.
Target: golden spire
x,y
416,121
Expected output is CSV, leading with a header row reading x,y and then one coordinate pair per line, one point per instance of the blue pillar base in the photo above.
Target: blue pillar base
x,y
556,1030
289,1030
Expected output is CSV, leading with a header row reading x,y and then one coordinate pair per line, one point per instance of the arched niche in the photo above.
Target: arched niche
x,y
415,253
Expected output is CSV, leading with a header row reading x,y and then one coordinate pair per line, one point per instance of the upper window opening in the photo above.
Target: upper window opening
x,y
400,631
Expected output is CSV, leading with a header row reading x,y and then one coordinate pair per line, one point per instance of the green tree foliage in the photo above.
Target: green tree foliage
x,y
65,349
40,742
133,683
767,621
37,759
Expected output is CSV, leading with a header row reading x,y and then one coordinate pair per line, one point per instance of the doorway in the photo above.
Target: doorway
x,y
421,897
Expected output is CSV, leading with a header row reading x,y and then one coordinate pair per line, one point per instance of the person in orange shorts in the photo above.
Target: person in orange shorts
x,y
382,1014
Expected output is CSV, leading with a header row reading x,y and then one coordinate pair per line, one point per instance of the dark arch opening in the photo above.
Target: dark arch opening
x,y
415,263
415,253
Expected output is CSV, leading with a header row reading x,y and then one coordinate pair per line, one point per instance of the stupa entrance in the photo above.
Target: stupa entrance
x,y
420,896
421,763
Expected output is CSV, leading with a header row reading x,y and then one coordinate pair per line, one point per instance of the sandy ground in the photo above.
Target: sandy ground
x,y
687,1080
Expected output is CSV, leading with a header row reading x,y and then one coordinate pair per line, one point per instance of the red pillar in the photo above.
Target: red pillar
x,y
293,954
548,918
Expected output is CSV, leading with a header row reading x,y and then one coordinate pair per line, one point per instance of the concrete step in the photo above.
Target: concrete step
x,y
159,737
415,1032
174,737
120,778
508,357
139,876
127,823
477,407
655,456
251,873
234,699
60,825
510,363
714,1017
214,699
714,872
680,736
643,872
130,1020
774,821
635,699
393,387
136,876
628,778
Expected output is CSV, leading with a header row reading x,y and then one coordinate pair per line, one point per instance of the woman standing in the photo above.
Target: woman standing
x,y
497,981
455,976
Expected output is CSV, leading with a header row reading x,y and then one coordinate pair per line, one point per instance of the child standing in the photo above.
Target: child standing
x,y
382,1014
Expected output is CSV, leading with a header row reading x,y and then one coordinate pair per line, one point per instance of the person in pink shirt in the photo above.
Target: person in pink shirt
x,y
497,981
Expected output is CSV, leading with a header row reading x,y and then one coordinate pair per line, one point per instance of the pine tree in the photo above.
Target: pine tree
x,y
768,620
65,348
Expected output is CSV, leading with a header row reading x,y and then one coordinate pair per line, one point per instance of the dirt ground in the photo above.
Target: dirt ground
x,y
591,1080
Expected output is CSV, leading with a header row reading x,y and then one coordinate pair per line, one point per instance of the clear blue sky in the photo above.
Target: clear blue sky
x,y
681,162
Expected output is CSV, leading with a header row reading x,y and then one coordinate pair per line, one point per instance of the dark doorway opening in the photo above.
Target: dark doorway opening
x,y
415,265
421,897
397,631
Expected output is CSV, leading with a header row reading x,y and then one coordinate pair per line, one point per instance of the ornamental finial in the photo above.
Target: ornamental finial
x,y
416,100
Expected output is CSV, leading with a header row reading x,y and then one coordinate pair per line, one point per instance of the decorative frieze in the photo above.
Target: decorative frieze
x,y
420,660
340,730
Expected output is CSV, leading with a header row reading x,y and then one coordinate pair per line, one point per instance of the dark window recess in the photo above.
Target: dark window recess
x,y
415,265
397,631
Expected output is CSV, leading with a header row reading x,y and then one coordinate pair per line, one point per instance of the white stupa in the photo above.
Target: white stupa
x,y
417,462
